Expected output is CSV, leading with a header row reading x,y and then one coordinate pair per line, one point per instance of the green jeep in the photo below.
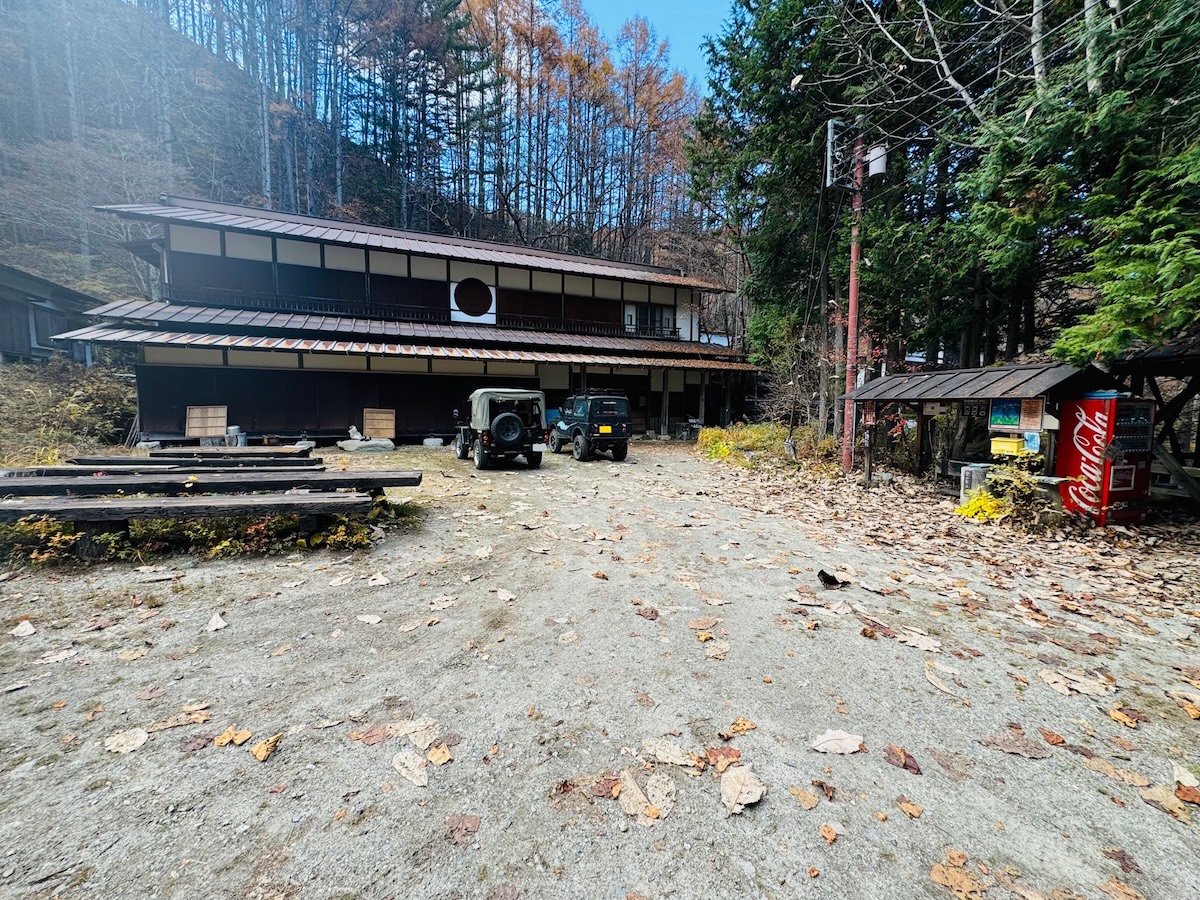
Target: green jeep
x,y
504,423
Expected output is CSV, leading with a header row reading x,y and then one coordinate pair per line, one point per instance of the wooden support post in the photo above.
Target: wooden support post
x,y
1172,465
922,427
666,399
703,398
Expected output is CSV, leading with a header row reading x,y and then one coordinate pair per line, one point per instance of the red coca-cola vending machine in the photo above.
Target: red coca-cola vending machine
x,y
1104,443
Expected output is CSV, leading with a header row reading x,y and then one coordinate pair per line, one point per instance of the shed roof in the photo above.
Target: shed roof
x,y
204,213
998,382
104,334
1179,356
206,317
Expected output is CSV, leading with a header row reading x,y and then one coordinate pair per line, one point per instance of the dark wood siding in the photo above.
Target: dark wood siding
x,y
194,271
392,290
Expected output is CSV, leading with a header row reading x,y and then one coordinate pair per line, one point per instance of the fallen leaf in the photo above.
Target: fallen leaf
x,y
900,758
196,742
439,754
836,741
930,665
483,552
828,789
717,650
232,735
665,751
1052,738
150,693
179,720
282,649
1189,702
135,653
600,575
24,629
504,596
216,623
1187,793
341,581
829,833
921,641
633,801
813,871
806,799
721,758
263,749
412,767
1162,797
1118,715
421,733
1119,890
378,580
369,619
1009,741
704,623
408,626
462,828
194,707
961,882
739,788
648,612
608,786
910,809
1068,681
703,636
1183,776
660,794
1106,768
376,735
439,603
1123,859
126,741
740,726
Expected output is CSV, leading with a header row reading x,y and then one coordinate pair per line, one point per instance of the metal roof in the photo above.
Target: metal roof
x,y
162,312
998,382
105,334
204,213
1179,356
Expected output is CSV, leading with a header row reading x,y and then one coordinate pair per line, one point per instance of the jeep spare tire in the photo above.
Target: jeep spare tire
x,y
508,429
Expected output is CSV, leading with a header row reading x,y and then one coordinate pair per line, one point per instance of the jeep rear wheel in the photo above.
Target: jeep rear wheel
x,y
620,451
555,443
580,448
481,460
534,458
461,450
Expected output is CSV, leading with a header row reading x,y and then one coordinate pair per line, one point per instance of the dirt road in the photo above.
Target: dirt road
x,y
539,628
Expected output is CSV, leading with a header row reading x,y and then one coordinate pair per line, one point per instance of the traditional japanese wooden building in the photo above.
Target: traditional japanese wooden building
x,y
32,311
298,325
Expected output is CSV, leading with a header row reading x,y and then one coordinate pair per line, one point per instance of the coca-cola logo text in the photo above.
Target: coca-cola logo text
x,y
1088,438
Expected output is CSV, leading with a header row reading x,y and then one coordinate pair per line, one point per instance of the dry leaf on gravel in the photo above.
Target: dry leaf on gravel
x,y
135,653
835,741
665,751
484,552
1096,764
1123,859
1052,738
409,626
150,693
412,767
24,629
739,788
918,639
1187,793
704,623
232,735
216,623
341,581
439,754
703,636
505,596
1010,741
910,809
1189,702
806,799
369,619
1163,797
717,650
126,741
376,735
1126,716
660,794
1068,681
600,575
439,603
930,665
633,801
740,726
179,720
263,749
1183,776
1119,890
196,742
462,828
829,833
963,883
379,580
721,758
901,758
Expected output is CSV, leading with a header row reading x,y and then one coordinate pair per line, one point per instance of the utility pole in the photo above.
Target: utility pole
x,y
852,310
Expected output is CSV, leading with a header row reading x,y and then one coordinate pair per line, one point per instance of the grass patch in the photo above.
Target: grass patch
x,y
743,445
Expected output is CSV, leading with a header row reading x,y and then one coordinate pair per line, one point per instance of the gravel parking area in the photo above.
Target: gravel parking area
x,y
591,668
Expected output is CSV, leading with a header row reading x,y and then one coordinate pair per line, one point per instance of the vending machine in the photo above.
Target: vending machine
x,y
1104,448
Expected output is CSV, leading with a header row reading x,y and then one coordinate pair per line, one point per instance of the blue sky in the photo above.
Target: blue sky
x,y
685,23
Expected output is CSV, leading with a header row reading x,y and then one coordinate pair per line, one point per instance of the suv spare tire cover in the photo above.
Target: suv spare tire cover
x,y
508,429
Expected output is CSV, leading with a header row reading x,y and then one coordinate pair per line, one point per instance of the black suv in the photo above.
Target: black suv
x,y
591,421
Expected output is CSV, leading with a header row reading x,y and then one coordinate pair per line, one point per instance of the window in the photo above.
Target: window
x,y
581,408
610,409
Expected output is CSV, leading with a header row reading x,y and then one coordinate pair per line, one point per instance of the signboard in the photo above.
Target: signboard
x,y
973,409
868,413
1016,415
